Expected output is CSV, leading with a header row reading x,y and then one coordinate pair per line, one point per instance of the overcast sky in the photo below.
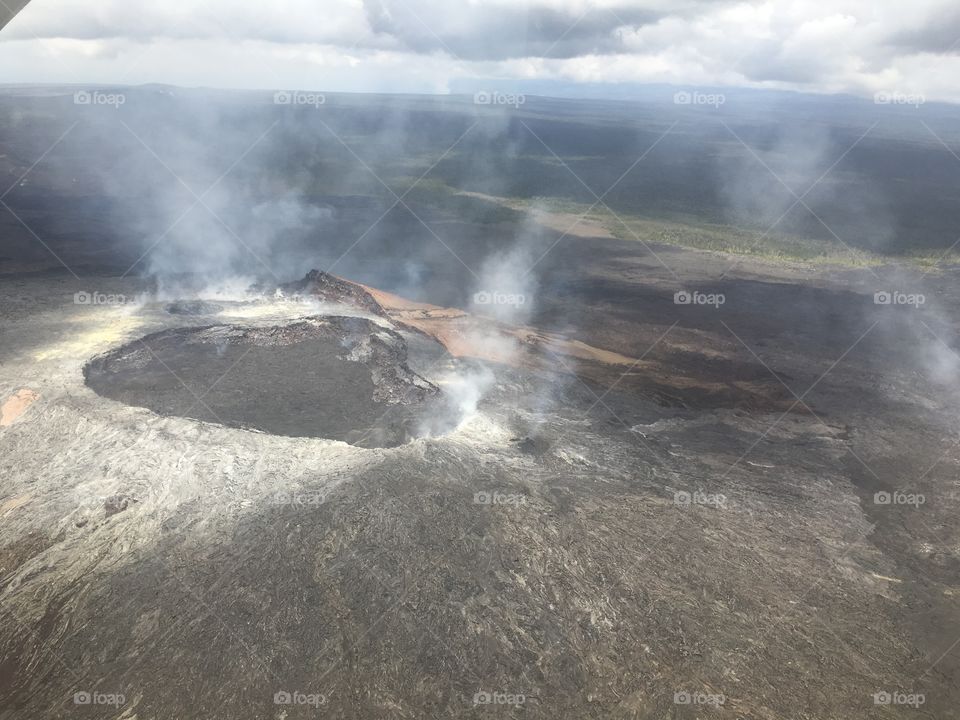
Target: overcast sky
x,y
855,46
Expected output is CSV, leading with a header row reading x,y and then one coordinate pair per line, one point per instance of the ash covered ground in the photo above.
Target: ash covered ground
x,y
355,495
587,549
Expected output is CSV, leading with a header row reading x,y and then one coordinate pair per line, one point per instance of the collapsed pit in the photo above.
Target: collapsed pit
x,y
339,378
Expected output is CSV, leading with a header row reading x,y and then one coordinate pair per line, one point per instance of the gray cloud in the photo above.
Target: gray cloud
x,y
497,33
8,9
851,46
938,34
467,30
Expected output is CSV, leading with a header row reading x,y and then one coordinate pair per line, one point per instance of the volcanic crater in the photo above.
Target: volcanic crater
x,y
335,377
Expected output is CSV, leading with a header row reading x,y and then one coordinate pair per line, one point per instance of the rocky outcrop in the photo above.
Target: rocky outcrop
x,y
332,289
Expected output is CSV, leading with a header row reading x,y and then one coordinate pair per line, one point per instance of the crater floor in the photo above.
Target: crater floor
x,y
340,378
